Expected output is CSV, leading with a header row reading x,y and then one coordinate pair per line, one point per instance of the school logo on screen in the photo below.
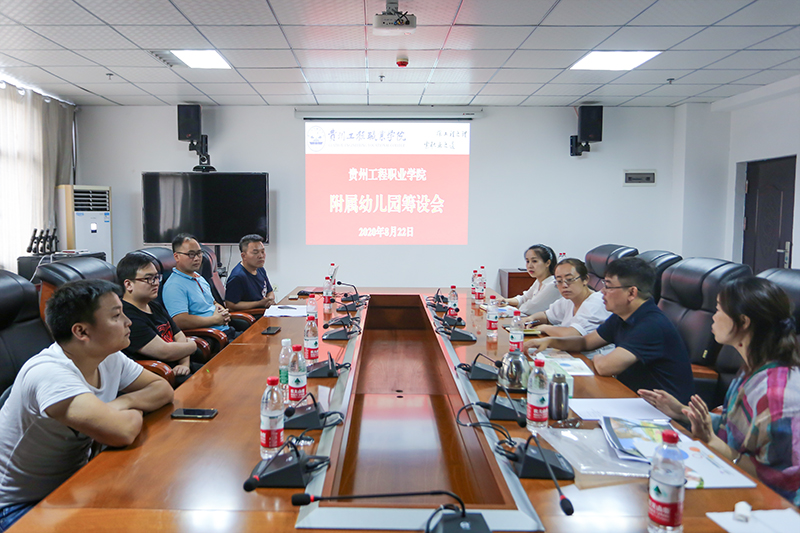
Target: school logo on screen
x,y
315,138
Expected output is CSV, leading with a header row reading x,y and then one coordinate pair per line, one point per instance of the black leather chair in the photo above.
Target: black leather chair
x,y
51,276
598,259
689,291
240,321
660,260
23,334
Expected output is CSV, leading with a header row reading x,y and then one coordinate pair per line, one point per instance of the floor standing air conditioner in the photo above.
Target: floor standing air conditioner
x,y
84,218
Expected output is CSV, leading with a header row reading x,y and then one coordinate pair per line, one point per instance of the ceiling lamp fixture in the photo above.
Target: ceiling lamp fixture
x,y
613,60
201,58
393,22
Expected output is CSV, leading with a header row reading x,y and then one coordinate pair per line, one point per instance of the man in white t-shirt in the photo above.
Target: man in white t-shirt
x,y
65,398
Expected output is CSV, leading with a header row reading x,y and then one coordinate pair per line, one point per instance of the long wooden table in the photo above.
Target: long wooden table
x,y
188,475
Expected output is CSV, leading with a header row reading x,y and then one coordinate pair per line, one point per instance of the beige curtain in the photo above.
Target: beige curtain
x,y
35,156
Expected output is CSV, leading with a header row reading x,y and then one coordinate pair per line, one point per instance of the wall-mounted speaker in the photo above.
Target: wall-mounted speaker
x,y
590,123
189,123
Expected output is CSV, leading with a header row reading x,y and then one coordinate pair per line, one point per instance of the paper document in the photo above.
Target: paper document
x,y
771,521
504,310
597,408
572,365
286,310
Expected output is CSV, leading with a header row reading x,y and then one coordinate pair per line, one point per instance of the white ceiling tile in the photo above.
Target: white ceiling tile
x,y
394,99
608,101
240,99
4,21
169,89
623,89
331,58
274,75
198,99
473,58
269,89
672,59
567,38
82,74
688,12
85,37
332,12
165,37
388,58
147,74
138,12
442,12
647,38
335,75
8,61
566,89
438,99
122,58
767,12
399,75
788,65
702,99
50,12
213,89
788,40
730,90
544,58
51,58
259,58
91,99
728,38
244,36
339,88
755,59
453,88
586,76
63,90
487,37
650,76
510,89
595,12
498,100
326,37
209,75
653,101
28,75
522,75
112,89
297,99
677,89
425,38
715,76
549,101
463,75
201,12
144,99
396,89
504,12
342,99
765,77
19,38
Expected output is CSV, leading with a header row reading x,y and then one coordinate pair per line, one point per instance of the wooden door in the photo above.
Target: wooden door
x,y
768,212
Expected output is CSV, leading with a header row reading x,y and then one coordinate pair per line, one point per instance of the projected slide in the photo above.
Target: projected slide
x,y
387,182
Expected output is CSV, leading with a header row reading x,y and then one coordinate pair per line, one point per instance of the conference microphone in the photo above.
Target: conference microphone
x,y
344,321
522,419
350,298
290,411
30,244
565,504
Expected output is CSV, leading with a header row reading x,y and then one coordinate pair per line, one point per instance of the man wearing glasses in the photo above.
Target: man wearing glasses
x,y
649,351
248,286
154,335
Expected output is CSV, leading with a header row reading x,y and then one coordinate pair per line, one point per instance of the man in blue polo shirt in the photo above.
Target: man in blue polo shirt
x,y
248,286
187,295
649,353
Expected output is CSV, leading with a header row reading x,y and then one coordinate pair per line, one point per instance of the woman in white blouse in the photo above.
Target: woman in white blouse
x,y
540,261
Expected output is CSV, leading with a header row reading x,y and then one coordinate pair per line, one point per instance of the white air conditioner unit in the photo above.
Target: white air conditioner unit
x,y
84,218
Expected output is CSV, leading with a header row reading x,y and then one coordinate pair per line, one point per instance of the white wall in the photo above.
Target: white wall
x,y
524,187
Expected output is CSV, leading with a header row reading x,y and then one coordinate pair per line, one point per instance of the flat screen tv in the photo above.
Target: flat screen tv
x,y
215,207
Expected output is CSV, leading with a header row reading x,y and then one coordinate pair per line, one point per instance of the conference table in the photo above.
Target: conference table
x,y
399,399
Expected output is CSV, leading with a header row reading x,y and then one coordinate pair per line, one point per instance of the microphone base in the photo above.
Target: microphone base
x,y
501,409
304,417
457,335
482,372
349,308
532,466
455,523
286,471
323,369
337,335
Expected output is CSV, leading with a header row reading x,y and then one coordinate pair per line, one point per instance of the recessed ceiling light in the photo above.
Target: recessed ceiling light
x,y
201,58
613,60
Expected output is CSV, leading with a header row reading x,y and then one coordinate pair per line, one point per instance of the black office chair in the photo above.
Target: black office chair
x,y
660,260
598,259
51,276
240,321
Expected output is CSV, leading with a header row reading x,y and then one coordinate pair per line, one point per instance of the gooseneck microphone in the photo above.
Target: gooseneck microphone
x,y
306,499
289,411
565,504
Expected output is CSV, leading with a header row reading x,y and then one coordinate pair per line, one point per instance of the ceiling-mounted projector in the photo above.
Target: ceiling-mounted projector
x,y
393,21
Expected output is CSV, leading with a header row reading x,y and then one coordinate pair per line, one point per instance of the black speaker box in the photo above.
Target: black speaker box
x,y
590,123
189,122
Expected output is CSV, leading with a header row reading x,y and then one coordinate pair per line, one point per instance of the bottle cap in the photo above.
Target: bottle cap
x,y
327,277
452,286
538,362
286,342
272,381
516,312
474,271
492,297
559,378
309,317
297,348
482,266
669,437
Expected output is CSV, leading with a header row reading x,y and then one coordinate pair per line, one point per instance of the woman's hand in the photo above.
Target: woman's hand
x,y
700,418
664,402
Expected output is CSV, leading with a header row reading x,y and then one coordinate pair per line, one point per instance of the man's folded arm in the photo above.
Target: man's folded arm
x,y
89,415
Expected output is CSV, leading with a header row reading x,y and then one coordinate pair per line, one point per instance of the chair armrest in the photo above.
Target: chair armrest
x,y
704,372
216,338
159,368
247,317
202,345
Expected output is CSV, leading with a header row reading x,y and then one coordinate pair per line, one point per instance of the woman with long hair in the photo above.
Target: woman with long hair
x,y
540,261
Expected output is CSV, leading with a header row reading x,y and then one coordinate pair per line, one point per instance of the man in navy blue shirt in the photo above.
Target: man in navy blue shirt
x,y
248,286
649,353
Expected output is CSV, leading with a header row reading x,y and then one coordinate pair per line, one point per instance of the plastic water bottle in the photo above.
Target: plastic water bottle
x,y
492,317
332,274
473,283
271,418
297,374
311,306
452,302
538,397
516,334
327,294
283,366
480,288
311,340
667,478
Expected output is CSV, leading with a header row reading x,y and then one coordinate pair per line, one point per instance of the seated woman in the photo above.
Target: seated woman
x,y
758,428
579,310
540,260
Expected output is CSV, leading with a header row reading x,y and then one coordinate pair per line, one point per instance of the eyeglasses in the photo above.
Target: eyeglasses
x,y
191,255
150,280
566,282
608,287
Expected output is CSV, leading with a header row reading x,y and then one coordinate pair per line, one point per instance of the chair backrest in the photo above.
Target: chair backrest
x,y
209,271
53,275
660,260
689,291
598,259
22,332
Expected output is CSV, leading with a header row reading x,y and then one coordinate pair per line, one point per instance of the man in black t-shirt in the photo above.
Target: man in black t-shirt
x,y
154,335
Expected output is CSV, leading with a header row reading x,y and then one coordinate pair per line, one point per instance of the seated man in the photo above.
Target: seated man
x,y
248,286
153,333
66,396
187,295
649,350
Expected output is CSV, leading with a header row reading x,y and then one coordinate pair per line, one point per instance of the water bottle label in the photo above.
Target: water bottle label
x,y
516,339
271,438
451,311
491,321
327,296
283,375
311,348
537,407
666,504
296,393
